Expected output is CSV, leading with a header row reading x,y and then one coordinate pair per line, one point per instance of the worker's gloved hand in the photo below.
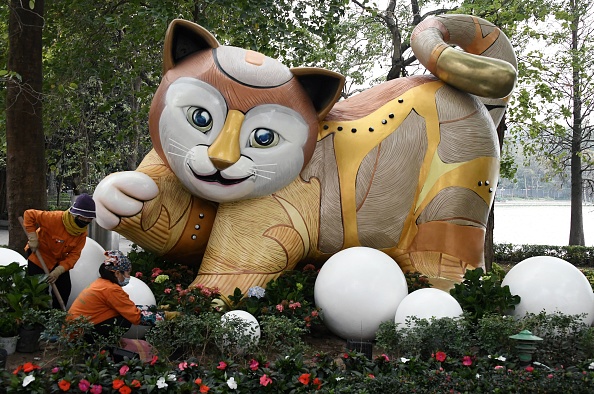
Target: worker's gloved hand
x,y
33,241
170,315
53,276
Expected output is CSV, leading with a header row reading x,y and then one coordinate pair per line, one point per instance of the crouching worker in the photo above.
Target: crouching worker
x,y
106,305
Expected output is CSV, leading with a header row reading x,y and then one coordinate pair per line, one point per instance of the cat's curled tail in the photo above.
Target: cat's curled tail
x,y
488,66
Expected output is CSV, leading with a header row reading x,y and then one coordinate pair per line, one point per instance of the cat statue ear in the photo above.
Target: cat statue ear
x,y
184,38
322,86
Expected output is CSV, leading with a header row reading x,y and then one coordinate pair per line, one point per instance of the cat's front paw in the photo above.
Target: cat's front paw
x,y
122,194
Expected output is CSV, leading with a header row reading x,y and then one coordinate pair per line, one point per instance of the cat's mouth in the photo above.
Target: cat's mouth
x,y
218,178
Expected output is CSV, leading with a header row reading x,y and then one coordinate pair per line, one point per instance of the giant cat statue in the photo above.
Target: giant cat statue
x,y
257,167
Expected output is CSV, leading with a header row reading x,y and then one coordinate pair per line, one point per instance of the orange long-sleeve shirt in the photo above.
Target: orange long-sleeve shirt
x,y
56,245
104,300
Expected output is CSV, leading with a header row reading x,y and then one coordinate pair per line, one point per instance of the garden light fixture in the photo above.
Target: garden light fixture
x,y
526,345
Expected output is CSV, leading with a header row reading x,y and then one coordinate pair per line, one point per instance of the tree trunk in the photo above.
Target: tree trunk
x,y
25,142
576,228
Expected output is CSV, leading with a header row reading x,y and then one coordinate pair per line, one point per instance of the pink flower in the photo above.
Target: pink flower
x,y
96,389
222,365
254,364
294,305
498,367
84,385
384,357
138,274
314,313
371,376
279,308
467,361
182,366
156,272
167,291
55,370
440,356
124,370
550,376
529,368
265,380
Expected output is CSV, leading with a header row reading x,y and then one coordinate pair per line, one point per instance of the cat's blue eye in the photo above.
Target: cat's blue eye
x,y
263,138
199,118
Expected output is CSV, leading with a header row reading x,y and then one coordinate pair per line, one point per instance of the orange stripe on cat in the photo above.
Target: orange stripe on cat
x,y
480,44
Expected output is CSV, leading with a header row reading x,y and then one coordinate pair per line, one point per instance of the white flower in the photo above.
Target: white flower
x,y
501,358
28,379
404,359
339,378
232,383
171,377
591,366
161,383
478,375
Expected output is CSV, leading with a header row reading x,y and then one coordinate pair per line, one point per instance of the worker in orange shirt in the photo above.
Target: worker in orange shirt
x,y
60,237
105,304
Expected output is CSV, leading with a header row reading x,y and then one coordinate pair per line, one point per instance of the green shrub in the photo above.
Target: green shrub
x,y
580,256
480,295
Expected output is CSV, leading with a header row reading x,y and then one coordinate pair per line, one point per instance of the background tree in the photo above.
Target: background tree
x,y
25,167
554,113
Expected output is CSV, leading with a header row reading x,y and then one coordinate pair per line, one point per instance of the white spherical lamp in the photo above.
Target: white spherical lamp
x,y
86,269
140,294
357,289
550,284
426,304
248,324
8,256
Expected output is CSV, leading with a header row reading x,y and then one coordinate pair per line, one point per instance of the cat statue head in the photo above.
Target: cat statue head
x,y
231,123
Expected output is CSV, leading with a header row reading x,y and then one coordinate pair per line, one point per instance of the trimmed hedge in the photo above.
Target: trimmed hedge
x,y
579,256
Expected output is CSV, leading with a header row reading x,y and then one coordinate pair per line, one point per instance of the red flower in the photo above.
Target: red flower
x,y
345,355
28,367
304,379
265,380
317,382
529,368
440,356
467,361
198,381
118,383
138,274
254,364
222,365
204,388
154,360
64,385
125,390
135,383
371,376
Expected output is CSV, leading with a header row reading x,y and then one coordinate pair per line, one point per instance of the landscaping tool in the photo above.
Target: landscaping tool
x,y
54,288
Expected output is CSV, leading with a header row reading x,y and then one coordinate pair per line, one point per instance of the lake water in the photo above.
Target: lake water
x,y
538,223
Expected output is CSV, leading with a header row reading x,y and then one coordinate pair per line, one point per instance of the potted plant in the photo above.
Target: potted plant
x,y
8,331
28,298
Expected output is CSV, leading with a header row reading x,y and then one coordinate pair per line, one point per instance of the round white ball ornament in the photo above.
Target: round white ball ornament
x,y
357,289
550,284
426,304
8,256
86,269
251,327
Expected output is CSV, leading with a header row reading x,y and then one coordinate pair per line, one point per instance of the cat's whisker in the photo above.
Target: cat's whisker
x,y
177,154
181,148
179,144
261,176
262,165
268,172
